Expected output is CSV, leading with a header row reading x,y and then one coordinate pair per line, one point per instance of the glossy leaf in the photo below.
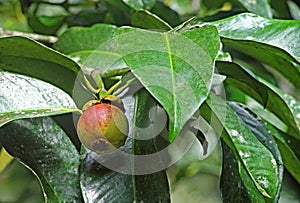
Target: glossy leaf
x,y
271,41
42,99
100,183
289,111
24,56
231,184
262,133
8,116
256,161
43,147
290,159
177,79
140,4
238,77
149,45
255,88
25,97
147,20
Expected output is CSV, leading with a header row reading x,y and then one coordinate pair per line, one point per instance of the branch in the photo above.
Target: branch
x,y
37,37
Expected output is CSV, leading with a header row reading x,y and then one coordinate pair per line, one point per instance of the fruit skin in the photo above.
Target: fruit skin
x,y
102,128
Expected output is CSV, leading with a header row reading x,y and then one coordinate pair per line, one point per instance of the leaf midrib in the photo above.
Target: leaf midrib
x,y
172,78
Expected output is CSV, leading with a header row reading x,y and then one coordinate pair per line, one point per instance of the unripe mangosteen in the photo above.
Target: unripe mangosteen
x,y
102,128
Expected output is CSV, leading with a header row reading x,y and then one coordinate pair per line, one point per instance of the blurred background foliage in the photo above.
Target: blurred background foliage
x,y
191,179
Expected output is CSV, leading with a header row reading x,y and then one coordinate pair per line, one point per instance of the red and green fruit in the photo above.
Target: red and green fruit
x,y
102,128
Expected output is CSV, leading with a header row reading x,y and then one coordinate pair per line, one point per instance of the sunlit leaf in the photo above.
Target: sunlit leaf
x,y
271,41
262,133
177,79
255,159
290,159
266,95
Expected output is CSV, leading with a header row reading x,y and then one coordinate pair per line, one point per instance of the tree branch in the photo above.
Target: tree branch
x,y
37,37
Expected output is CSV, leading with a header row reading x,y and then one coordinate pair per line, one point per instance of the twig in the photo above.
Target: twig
x,y
37,37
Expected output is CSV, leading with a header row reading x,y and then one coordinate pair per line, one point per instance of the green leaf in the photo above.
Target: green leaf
x,y
232,187
43,147
289,111
238,77
93,47
45,25
24,56
145,19
290,159
25,97
256,161
262,92
292,103
259,7
177,79
5,159
281,9
42,99
140,4
78,39
271,41
151,55
262,133
8,116
157,188
166,13
123,181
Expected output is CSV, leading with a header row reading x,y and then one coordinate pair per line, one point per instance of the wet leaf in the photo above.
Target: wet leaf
x,y
42,146
290,159
257,163
274,42
266,94
8,116
262,133
238,77
23,97
232,187
177,79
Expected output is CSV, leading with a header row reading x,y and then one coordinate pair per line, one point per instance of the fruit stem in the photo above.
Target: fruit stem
x,y
97,78
90,87
109,92
124,86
